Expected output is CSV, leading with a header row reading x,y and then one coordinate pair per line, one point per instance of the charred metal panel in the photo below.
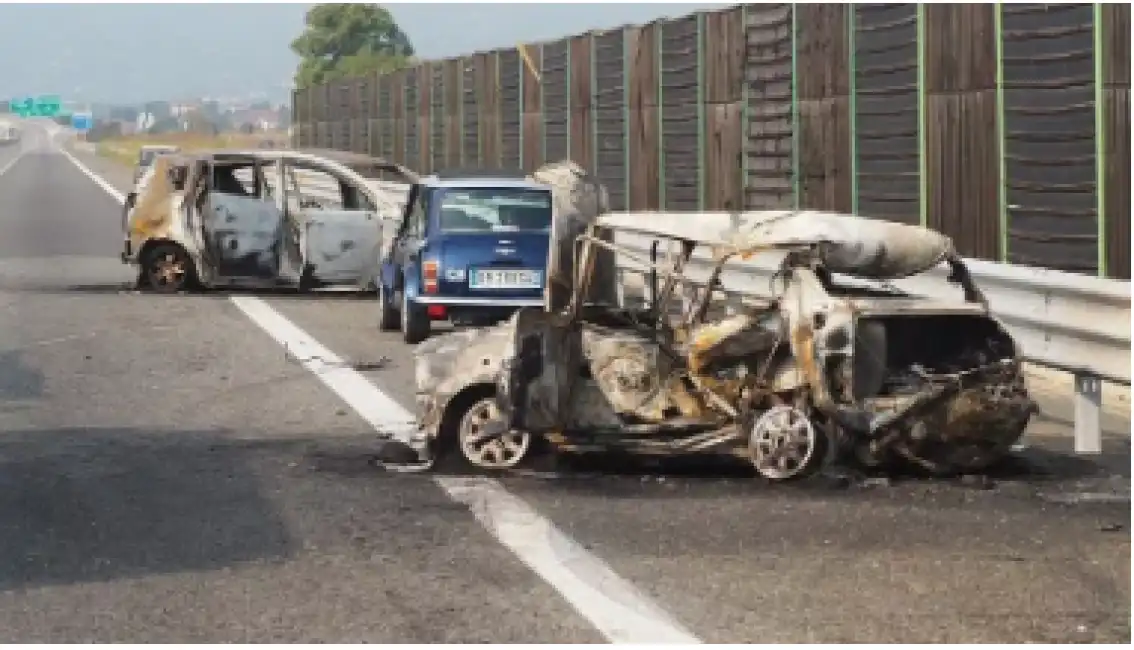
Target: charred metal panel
x,y
338,244
243,233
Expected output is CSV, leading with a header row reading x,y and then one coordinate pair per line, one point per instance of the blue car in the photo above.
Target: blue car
x,y
471,249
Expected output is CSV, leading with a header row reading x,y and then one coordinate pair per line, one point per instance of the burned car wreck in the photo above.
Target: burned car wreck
x,y
261,219
820,370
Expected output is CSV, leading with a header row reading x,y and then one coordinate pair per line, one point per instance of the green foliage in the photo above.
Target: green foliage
x,y
348,40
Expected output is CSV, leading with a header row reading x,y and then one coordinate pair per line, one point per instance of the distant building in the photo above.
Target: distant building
x,y
255,120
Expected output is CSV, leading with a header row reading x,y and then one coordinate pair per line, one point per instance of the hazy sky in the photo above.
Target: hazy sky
x,y
138,52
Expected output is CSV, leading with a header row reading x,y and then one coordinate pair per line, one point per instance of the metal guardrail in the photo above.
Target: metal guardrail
x,y
1069,322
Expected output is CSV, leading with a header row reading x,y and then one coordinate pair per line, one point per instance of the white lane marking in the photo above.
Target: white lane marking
x,y
614,606
12,162
98,180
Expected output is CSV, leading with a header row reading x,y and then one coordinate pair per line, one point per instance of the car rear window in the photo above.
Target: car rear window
x,y
495,210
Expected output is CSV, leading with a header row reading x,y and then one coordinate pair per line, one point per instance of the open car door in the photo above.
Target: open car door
x,y
339,228
240,224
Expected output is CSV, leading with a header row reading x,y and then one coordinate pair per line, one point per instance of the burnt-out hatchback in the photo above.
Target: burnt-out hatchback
x,y
472,249
261,219
828,360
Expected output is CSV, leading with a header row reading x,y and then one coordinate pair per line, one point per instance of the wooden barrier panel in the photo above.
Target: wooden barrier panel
x,y
1006,128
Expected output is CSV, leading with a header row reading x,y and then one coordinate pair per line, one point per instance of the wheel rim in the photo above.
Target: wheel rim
x,y
484,448
167,270
782,442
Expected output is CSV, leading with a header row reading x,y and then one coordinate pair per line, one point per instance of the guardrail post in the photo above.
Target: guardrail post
x,y
1088,406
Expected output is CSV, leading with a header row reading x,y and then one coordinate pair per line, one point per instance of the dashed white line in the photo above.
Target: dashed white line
x,y
614,606
12,162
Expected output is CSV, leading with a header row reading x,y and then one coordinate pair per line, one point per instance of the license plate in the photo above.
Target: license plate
x,y
505,279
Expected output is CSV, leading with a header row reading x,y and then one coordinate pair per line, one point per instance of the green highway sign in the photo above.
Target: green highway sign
x,y
43,106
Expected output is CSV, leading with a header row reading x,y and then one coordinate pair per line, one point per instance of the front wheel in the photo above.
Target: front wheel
x,y
168,269
484,441
415,321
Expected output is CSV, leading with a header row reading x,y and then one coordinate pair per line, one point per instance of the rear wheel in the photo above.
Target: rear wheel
x,y
168,269
784,443
387,314
415,321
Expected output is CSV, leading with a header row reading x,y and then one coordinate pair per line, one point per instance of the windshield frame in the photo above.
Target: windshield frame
x,y
490,192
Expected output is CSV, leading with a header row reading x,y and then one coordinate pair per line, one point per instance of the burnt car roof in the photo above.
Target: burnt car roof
x,y
849,244
344,158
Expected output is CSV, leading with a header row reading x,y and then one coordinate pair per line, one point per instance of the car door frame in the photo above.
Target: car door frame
x,y
288,172
202,205
406,247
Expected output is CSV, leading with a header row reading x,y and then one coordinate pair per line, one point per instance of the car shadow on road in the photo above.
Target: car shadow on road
x,y
88,504
110,288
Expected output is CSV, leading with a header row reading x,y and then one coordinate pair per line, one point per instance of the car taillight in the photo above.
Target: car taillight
x,y
429,269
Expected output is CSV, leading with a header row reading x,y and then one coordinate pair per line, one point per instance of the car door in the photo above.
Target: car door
x,y
407,246
241,228
338,243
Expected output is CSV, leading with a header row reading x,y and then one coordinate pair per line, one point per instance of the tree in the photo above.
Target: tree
x,y
347,40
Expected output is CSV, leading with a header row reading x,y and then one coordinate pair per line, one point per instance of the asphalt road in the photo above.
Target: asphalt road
x,y
168,474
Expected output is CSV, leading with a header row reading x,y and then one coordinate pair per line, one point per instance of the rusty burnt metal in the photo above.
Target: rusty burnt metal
x,y
836,365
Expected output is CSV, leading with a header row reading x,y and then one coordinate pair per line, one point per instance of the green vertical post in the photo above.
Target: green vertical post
x,y
744,114
922,178
626,120
794,112
852,103
700,111
520,104
1002,133
1100,143
659,34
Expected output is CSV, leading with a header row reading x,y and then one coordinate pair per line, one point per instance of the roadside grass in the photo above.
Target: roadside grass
x,y
125,149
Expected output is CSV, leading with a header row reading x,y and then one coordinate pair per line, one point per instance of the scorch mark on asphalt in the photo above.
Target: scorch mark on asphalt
x,y
614,606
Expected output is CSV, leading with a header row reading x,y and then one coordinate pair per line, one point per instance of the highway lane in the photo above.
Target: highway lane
x,y
168,475
225,484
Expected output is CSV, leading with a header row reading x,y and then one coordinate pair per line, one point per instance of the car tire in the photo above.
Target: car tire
x,y
509,451
387,314
415,322
168,269
785,443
